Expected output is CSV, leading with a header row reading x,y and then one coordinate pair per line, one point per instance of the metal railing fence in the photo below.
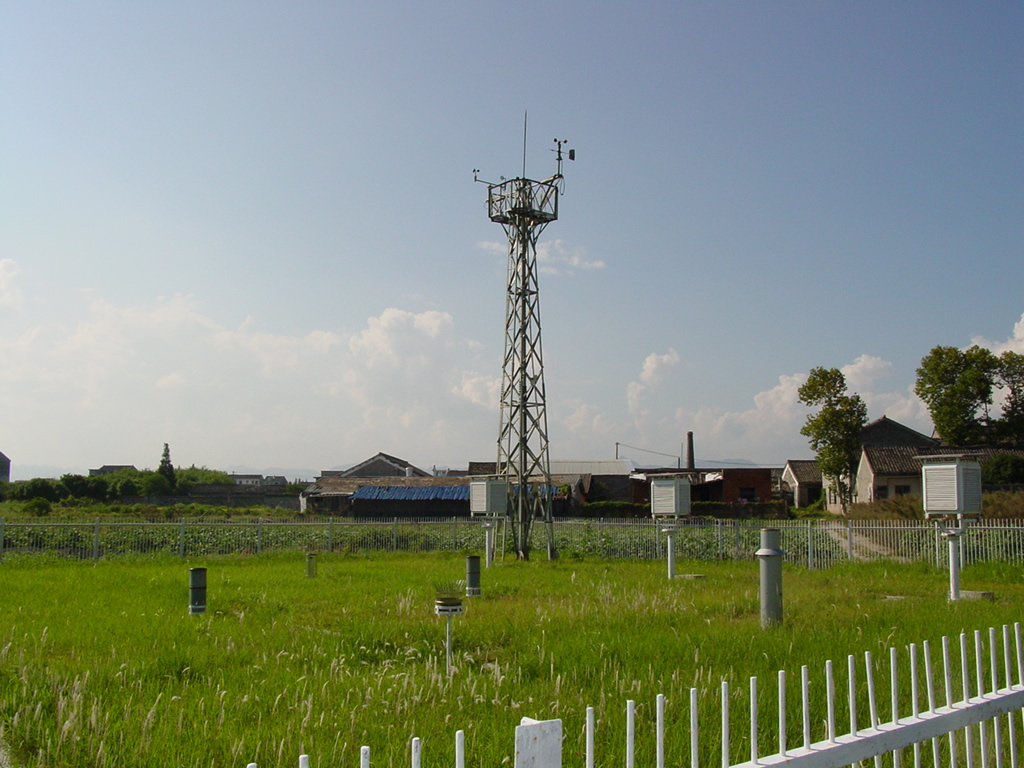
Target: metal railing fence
x,y
962,710
810,543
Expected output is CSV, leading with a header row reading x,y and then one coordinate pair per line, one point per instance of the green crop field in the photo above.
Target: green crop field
x,y
102,664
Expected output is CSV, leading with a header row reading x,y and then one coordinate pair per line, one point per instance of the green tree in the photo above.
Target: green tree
x,y
38,488
1003,469
155,484
834,430
166,469
1009,375
956,385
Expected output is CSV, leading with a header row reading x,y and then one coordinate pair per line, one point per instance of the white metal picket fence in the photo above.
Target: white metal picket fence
x,y
812,543
966,710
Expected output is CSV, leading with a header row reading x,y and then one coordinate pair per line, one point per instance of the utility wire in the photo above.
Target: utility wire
x,y
715,462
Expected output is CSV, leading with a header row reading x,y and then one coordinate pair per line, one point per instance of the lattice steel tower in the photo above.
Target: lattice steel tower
x,y
524,208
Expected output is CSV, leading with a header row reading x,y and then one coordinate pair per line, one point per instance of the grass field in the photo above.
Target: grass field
x,y
102,665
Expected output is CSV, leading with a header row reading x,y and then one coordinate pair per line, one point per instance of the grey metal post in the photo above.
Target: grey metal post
x,y
488,544
1,538
259,536
181,539
310,565
771,554
472,575
96,541
196,591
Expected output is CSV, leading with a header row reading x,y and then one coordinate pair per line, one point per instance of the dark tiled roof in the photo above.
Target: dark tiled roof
x,y
805,470
886,432
899,459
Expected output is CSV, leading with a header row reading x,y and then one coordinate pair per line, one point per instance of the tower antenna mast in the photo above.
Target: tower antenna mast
x,y
524,208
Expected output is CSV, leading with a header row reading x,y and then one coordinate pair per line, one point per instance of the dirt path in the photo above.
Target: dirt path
x,y
864,548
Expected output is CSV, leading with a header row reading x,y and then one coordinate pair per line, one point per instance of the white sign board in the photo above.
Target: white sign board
x,y
539,744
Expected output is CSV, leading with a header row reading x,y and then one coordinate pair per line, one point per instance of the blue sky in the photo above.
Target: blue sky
x,y
250,230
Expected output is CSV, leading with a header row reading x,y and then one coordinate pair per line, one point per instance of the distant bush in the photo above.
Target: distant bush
x,y
1003,469
38,488
998,504
37,507
612,509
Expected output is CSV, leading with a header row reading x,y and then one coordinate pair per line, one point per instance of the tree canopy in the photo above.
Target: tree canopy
x,y
166,469
834,431
958,387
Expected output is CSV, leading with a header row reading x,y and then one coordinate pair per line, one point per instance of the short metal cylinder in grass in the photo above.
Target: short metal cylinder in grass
x,y
771,555
196,591
311,565
473,576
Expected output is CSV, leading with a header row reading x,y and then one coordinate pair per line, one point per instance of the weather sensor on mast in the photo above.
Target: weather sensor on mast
x,y
524,208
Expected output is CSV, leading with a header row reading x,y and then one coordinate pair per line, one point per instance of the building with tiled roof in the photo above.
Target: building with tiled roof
x,y
886,471
802,478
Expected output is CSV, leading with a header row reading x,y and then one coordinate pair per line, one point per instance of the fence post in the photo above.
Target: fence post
x,y
810,545
394,534
96,541
181,539
1,538
259,535
849,539
330,534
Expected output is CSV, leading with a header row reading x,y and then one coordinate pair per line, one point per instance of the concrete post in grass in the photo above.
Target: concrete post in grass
x,y
196,591
771,555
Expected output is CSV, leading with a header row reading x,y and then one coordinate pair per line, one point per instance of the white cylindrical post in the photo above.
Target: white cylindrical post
x,y
670,535
770,555
953,540
460,749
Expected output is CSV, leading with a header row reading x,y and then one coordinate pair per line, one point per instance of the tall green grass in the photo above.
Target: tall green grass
x,y
102,665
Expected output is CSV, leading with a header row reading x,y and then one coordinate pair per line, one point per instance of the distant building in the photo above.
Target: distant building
x,y
109,469
5,469
802,479
247,479
381,465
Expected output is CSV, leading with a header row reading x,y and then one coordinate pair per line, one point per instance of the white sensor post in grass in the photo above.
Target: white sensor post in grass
x,y
670,501
951,490
448,603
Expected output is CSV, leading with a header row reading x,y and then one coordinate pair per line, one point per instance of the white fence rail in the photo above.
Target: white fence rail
x,y
966,711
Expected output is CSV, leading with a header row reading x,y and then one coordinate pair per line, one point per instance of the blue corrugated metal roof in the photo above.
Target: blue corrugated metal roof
x,y
412,493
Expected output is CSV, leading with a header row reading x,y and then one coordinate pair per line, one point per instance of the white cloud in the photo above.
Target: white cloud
x,y
10,296
768,432
126,379
554,257
652,375
1013,344
864,372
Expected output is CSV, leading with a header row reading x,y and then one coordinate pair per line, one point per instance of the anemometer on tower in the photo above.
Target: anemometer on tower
x,y
524,207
